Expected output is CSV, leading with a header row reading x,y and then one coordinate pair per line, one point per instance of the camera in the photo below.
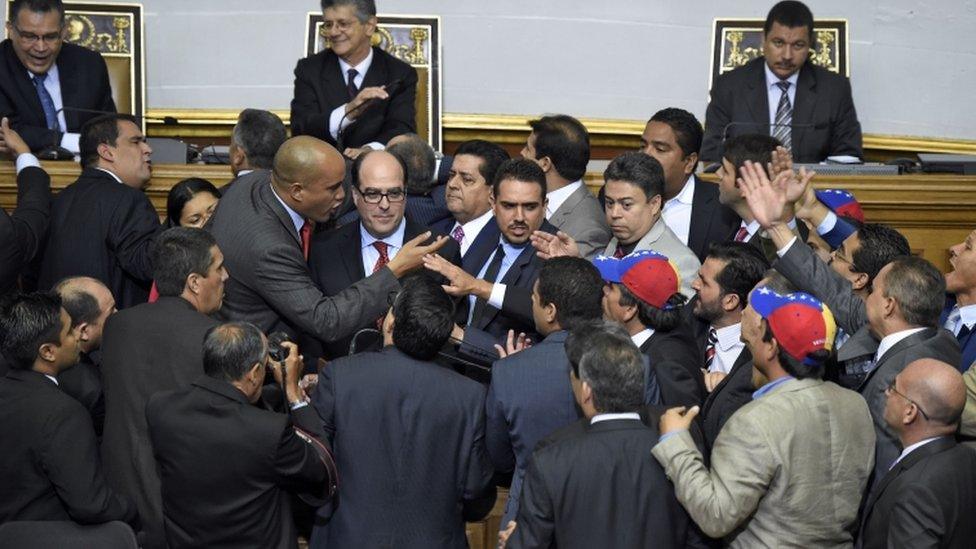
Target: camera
x,y
276,351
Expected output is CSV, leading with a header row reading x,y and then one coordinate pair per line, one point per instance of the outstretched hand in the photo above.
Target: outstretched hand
x,y
411,255
10,141
767,200
549,245
513,344
459,282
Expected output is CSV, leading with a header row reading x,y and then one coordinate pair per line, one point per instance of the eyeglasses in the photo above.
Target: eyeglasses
x,y
891,389
373,196
30,38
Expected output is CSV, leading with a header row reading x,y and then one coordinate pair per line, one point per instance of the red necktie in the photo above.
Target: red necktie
x,y
741,235
381,247
619,252
306,235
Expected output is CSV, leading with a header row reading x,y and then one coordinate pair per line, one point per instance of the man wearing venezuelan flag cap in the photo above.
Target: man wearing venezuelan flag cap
x,y
790,467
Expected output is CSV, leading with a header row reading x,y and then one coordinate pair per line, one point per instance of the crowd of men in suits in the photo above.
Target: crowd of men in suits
x,y
365,340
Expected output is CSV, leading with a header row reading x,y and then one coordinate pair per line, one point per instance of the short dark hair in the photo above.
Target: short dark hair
x,y
613,367
418,158
755,147
28,321
492,156
183,192
745,266
231,349
103,129
688,131
178,252
918,288
578,340
879,245
423,316
259,134
775,281
575,287
364,8
565,141
357,166
790,14
641,170
661,320
82,307
522,170
811,367
36,6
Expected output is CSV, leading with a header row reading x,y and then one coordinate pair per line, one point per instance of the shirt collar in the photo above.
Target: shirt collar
x,y
968,315
729,336
296,218
771,386
395,239
115,177
557,197
687,193
754,227
889,341
361,68
642,336
511,250
473,228
912,448
54,379
243,172
609,417
52,74
772,79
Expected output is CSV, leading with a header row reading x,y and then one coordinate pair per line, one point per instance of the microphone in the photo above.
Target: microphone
x,y
56,151
391,89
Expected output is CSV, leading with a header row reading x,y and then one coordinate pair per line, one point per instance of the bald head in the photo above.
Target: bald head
x,y
89,303
307,175
380,198
938,389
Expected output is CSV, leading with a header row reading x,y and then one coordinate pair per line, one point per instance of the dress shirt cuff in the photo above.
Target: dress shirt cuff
x,y
782,251
71,141
26,160
298,405
376,146
335,118
828,224
497,297
666,436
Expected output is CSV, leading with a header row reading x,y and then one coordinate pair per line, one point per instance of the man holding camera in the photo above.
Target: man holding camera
x,y
225,466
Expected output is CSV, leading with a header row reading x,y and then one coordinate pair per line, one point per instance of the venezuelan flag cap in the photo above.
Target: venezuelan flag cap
x,y
800,323
842,203
650,276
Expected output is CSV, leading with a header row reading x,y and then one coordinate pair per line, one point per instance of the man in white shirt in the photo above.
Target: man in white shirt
x,y
560,145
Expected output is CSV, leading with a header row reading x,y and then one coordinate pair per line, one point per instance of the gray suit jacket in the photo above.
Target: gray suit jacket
x,y
269,282
810,274
663,241
582,218
787,470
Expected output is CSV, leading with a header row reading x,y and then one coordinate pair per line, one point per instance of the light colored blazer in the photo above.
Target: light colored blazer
x,y
787,470
581,217
967,426
663,241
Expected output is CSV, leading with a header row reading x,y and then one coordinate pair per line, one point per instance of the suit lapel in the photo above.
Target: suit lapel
x,y
909,341
481,248
930,449
266,195
701,201
805,101
333,81
512,275
565,210
351,252
67,75
375,76
757,100
744,358
652,236
35,115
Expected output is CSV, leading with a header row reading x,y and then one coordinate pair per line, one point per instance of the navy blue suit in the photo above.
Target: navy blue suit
x,y
429,209
479,251
967,343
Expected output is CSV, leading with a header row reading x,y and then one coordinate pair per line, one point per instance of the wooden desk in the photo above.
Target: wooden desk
x,y
932,211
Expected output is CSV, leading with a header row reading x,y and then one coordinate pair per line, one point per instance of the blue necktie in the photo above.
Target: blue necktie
x,y
47,103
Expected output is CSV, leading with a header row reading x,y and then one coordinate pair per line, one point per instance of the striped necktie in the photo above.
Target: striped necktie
x,y
710,349
784,117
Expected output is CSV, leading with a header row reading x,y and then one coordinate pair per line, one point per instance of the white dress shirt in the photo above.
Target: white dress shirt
x,y
26,160
52,84
967,318
609,417
642,336
911,449
369,252
728,348
677,211
338,114
472,229
115,177
775,93
556,198
497,297
889,341
54,379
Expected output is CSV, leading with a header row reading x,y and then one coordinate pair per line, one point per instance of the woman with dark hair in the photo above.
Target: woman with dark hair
x,y
190,203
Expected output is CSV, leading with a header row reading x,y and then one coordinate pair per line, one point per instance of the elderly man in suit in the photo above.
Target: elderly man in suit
x,y
40,75
263,225
691,207
560,145
22,232
807,108
114,246
583,486
959,314
49,467
156,347
801,441
254,141
923,500
353,95
408,435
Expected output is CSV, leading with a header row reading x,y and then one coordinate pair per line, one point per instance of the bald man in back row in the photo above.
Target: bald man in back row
x,y
263,225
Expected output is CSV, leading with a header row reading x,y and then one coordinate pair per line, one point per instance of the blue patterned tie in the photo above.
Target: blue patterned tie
x,y
47,103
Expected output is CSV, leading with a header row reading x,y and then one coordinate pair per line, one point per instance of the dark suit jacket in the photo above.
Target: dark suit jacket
x,y
270,285
732,393
83,382
409,440
225,466
823,108
84,85
710,220
677,366
335,263
22,233
146,349
929,343
529,398
49,466
320,87
429,209
967,343
480,249
102,229
925,500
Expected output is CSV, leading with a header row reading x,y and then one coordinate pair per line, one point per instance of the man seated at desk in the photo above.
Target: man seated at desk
x,y
807,108
45,83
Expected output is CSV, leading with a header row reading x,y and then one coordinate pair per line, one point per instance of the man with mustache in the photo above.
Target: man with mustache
x,y
807,108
